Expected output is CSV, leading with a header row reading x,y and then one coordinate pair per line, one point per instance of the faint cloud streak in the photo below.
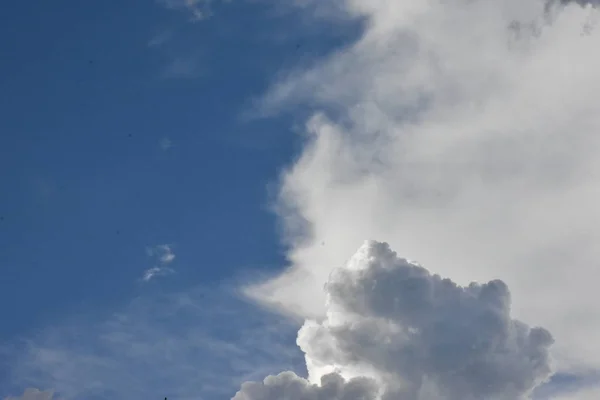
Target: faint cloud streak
x,y
156,271
182,67
166,144
160,39
198,344
163,255
199,9
34,394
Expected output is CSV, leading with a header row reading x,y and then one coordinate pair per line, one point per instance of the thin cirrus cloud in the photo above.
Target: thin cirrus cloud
x,y
183,67
156,272
465,134
34,394
165,144
162,256
199,9
177,65
201,343
160,39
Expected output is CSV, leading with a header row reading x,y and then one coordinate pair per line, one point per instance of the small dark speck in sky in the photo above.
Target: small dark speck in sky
x,y
129,135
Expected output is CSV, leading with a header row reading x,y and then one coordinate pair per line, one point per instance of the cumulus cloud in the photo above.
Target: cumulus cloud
x,y
163,256
289,386
34,394
465,133
394,331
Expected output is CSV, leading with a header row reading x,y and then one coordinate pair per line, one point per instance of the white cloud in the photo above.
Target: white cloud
x,y
163,256
394,331
156,271
34,394
464,133
159,250
289,386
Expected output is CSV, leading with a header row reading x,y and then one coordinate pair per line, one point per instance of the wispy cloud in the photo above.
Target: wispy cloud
x,y
160,39
163,256
199,9
181,62
166,144
162,252
155,272
34,394
199,344
183,67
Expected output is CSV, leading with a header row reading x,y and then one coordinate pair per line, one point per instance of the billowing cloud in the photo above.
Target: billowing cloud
x,y
289,386
465,134
394,331
34,394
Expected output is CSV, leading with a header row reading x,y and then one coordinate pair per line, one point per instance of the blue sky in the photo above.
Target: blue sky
x,y
90,100
138,242
121,130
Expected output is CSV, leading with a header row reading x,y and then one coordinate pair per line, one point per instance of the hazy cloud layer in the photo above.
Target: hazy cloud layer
x,y
34,394
395,331
199,344
465,134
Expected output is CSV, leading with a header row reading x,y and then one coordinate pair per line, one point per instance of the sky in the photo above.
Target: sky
x,y
257,200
